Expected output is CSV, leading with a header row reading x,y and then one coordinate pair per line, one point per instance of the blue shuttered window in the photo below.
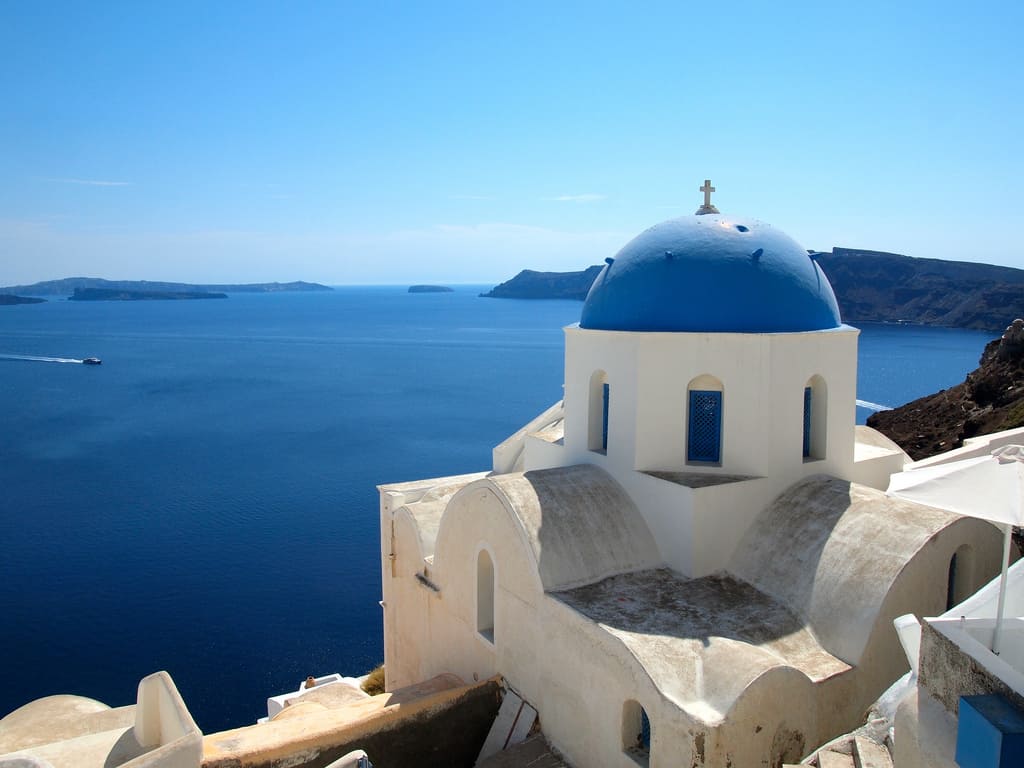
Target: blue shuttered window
x,y
807,422
604,417
645,731
704,442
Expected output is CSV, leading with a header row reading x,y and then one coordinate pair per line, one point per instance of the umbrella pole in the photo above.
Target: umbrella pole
x,y
1007,538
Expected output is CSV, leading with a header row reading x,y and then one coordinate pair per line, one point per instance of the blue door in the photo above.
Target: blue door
x,y
704,441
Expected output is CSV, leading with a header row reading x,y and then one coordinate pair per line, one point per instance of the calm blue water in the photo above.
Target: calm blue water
x,y
204,501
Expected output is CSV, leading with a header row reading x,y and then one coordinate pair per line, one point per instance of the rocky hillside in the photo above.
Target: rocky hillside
x,y
875,286
871,286
991,399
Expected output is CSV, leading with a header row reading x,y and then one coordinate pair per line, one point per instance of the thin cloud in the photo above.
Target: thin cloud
x,y
589,197
92,182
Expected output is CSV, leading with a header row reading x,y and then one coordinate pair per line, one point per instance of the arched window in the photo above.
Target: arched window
x,y
636,732
958,581
485,595
815,427
705,397
597,439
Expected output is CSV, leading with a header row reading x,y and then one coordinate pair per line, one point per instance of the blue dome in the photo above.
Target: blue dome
x,y
711,273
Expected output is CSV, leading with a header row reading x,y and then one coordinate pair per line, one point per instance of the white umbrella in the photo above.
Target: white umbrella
x,y
989,487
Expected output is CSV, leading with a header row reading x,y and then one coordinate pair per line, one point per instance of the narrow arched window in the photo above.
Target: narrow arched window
x,y
605,391
485,595
636,732
951,583
815,418
600,395
705,398
959,584
808,399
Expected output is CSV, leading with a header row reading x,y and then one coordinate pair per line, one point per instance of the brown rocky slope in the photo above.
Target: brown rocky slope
x,y
989,400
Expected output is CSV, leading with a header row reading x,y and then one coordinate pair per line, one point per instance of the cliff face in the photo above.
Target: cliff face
x,y
875,286
991,399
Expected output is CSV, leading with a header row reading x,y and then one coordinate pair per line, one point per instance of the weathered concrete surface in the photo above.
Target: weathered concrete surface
x,y
579,523
437,723
948,673
55,718
832,551
705,639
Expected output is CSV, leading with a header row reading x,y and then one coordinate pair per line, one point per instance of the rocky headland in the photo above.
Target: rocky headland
x,y
870,286
989,400
529,284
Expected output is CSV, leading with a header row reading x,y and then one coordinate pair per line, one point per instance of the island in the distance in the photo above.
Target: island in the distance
x,y
7,299
529,284
114,294
430,289
69,285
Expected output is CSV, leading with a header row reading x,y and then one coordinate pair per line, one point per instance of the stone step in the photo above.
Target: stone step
x,y
871,755
532,753
830,759
512,725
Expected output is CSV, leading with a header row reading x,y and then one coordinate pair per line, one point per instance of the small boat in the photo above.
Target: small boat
x,y
92,361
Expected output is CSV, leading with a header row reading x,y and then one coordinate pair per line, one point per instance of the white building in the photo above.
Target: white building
x,y
689,560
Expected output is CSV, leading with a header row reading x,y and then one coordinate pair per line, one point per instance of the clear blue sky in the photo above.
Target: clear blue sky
x,y
378,142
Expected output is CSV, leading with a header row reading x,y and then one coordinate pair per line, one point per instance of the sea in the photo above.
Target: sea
x,y
204,501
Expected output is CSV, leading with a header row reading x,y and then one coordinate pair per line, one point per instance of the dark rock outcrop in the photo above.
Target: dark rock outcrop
x,y
989,400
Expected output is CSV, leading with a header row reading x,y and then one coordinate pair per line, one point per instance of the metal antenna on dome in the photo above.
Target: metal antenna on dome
x,y
707,189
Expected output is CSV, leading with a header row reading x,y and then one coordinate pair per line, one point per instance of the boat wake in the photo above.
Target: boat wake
x,y
35,359
873,406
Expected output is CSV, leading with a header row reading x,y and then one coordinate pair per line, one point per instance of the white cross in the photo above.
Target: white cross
x,y
707,189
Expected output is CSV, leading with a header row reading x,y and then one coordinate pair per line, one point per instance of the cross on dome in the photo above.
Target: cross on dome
x,y
707,189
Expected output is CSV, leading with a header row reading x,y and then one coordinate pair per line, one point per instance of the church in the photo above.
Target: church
x,y
690,560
